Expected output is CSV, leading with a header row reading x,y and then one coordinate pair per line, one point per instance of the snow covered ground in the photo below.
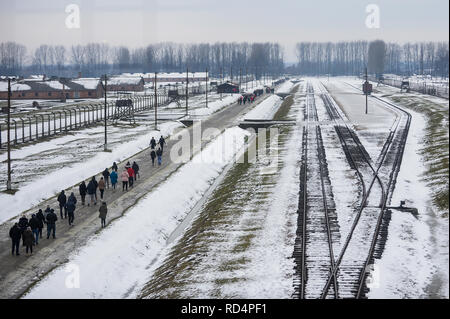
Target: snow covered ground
x,y
37,168
415,263
113,263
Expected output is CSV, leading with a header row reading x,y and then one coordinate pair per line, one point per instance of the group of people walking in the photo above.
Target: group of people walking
x,y
244,98
158,152
30,230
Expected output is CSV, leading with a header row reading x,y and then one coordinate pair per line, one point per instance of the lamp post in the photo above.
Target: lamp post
x,y
105,88
156,103
206,87
187,90
8,183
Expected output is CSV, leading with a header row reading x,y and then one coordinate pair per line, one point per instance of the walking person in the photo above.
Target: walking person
x,y
23,224
62,200
51,223
135,168
102,215
101,187
153,156
83,191
131,176
124,177
41,220
153,143
15,235
113,176
96,186
114,167
34,225
159,154
162,142
27,237
106,175
91,192
71,206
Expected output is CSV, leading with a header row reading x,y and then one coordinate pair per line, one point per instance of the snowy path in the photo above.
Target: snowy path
x,y
240,245
19,273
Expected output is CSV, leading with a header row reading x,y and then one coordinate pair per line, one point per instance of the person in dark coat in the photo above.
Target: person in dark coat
x,y
152,143
83,191
162,142
47,210
34,225
106,177
103,210
159,154
41,219
135,168
15,233
62,200
153,156
114,167
23,224
27,237
96,187
71,205
51,223
91,189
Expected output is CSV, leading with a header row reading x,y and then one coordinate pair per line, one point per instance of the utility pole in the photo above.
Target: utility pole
x,y
367,92
221,75
240,79
156,102
246,79
105,147
206,87
187,89
8,183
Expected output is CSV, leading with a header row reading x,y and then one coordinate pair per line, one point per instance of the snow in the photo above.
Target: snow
x,y
87,83
114,263
265,110
14,86
31,194
55,85
415,261
216,105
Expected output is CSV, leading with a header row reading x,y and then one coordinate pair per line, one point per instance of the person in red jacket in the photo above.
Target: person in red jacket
x,y
131,175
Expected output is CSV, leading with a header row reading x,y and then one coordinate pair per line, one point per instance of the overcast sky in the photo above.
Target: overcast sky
x,y
137,22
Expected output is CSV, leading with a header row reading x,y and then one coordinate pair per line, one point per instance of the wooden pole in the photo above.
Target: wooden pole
x,y
106,106
156,102
8,183
206,87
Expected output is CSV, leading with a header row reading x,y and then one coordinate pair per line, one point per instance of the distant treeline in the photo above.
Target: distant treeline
x,y
350,58
95,59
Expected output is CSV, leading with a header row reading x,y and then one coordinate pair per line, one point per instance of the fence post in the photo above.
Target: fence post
x,y
37,127
75,117
49,127
15,131
23,130
29,121
65,120
43,127
0,135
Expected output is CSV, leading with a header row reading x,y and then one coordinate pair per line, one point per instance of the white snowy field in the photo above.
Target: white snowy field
x,y
113,264
240,244
415,262
38,170
268,107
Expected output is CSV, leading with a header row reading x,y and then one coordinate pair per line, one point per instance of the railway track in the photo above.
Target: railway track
x,y
320,272
317,221
368,233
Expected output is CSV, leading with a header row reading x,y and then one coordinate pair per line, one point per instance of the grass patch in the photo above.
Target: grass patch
x,y
283,111
435,147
